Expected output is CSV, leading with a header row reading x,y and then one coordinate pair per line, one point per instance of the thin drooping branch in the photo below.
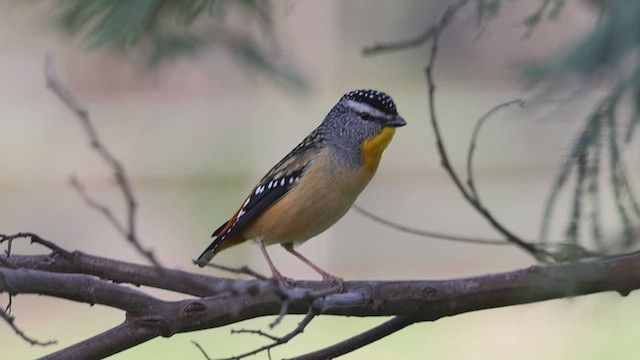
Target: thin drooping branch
x,y
372,335
430,234
11,321
61,91
538,253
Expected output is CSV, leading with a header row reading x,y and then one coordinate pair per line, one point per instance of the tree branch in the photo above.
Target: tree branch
x,y
246,299
387,328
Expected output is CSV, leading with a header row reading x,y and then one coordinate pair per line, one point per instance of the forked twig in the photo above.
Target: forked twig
x,y
35,239
129,231
276,341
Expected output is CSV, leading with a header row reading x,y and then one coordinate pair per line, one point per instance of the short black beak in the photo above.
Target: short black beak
x,y
397,121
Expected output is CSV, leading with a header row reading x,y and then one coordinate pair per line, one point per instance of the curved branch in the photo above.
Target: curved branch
x,y
474,141
11,321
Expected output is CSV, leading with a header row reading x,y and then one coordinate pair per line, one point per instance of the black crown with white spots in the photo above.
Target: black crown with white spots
x,y
374,98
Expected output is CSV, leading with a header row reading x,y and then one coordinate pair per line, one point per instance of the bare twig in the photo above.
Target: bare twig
x,y
244,270
431,234
255,332
202,350
420,39
98,206
11,321
387,328
474,141
510,236
277,341
58,88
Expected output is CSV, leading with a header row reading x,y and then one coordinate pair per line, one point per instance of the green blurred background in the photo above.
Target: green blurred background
x,y
195,134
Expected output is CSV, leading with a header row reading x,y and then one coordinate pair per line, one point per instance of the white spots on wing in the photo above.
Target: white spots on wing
x,y
242,212
260,189
282,181
291,179
247,201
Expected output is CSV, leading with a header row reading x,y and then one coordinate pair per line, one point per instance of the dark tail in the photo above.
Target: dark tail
x,y
210,252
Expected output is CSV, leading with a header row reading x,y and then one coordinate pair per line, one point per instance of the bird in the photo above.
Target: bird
x,y
316,183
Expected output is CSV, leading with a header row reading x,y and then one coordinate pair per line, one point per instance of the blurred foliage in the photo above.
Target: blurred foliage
x,y
608,54
487,10
156,31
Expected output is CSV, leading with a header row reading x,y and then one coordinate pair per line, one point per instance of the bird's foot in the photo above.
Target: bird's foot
x,y
288,282
335,281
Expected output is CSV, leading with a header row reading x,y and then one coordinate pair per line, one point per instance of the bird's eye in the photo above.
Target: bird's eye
x,y
365,115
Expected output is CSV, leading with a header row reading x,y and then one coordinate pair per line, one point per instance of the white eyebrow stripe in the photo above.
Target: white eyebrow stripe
x,y
362,107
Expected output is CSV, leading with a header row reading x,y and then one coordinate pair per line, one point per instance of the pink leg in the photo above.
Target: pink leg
x,y
276,274
325,275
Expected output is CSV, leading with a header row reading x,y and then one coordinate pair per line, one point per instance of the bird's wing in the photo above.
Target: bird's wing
x,y
271,188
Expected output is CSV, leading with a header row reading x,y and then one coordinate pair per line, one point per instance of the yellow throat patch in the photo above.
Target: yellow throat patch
x,y
373,147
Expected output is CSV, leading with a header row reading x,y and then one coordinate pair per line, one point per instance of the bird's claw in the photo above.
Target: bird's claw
x,y
334,281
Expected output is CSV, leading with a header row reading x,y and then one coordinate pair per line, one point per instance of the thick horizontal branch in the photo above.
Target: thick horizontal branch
x,y
122,272
421,300
238,300
76,287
